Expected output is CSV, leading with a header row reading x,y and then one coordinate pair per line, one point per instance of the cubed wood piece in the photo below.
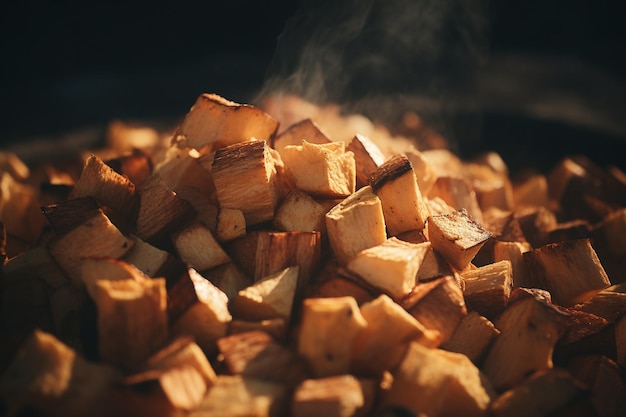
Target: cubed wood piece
x,y
458,193
492,188
457,237
206,317
243,396
368,158
268,298
328,330
436,382
335,396
605,379
231,224
610,243
20,209
541,394
299,212
593,195
536,224
276,251
132,320
305,129
35,263
165,392
514,253
355,224
570,270
183,172
326,170
69,249
530,328
487,289
181,352
609,303
214,121
392,266
472,337
136,165
124,136
424,172
382,344
277,328
47,376
245,179
394,182
146,257
161,212
100,181
102,268
197,247
255,354
340,286
229,278
438,305
531,190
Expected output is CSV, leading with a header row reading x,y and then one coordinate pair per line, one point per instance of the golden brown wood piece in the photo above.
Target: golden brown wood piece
x,y
69,249
242,396
530,327
161,211
100,181
256,354
132,320
457,237
472,337
392,266
51,378
382,344
394,182
20,209
570,270
299,212
198,248
245,179
487,288
355,224
336,396
541,394
217,122
206,317
438,305
435,382
328,330
306,129
147,258
424,172
326,170
231,224
276,251
458,193
268,298
368,158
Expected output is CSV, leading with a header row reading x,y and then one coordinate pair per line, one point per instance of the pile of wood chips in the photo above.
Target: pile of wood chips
x,y
243,267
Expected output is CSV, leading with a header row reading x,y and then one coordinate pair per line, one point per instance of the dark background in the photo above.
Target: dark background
x,y
71,65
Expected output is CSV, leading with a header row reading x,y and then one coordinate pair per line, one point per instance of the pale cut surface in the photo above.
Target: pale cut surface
x,y
269,298
213,120
355,224
391,266
322,170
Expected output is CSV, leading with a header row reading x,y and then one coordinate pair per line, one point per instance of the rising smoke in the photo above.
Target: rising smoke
x,y
382,57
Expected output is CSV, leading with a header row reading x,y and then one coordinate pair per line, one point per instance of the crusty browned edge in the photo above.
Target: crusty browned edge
x,y
67,215
393,168
230,155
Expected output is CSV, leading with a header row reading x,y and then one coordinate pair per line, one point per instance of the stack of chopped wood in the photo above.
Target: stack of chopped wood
x,y
251,269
